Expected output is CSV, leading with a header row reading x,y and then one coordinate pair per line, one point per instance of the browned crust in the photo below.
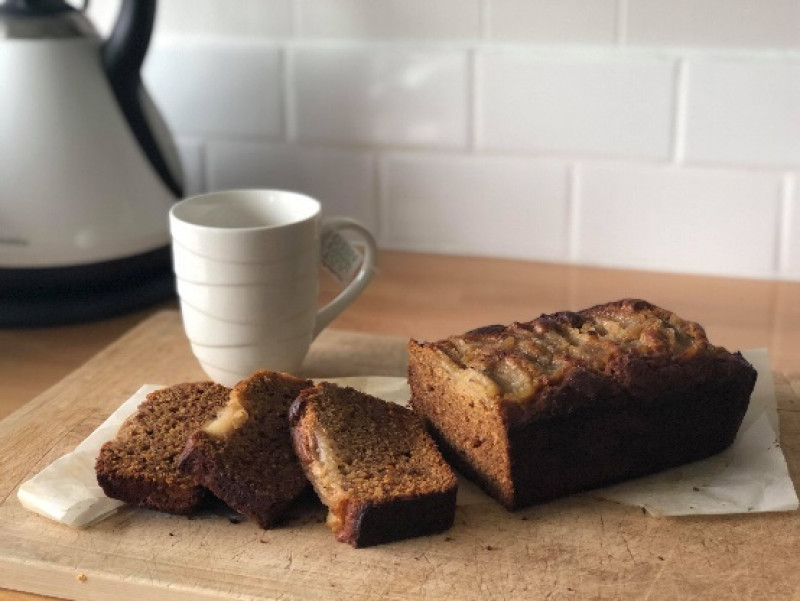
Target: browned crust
x,y
587,428
369,524
152,494
628,438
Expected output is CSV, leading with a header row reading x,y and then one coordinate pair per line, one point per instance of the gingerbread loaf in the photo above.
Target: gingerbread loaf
x,y
140,465
373,464
245,455
575,400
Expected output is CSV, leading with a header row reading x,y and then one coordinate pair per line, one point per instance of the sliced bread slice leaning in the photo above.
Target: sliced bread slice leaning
x,y
140,465
373,465
245,456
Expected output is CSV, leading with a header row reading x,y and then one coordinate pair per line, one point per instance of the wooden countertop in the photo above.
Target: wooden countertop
x,y
430,296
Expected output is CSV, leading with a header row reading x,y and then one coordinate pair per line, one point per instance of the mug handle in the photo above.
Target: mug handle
x,y
365,272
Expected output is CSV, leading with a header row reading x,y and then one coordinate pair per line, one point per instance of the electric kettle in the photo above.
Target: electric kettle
x,y
88,170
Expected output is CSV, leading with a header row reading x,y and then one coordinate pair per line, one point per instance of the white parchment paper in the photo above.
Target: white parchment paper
x,y
67,490
751,476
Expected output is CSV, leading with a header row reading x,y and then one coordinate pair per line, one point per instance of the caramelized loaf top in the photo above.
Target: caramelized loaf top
x,y
631,343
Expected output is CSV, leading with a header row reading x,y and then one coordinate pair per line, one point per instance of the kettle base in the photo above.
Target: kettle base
x,y
53,296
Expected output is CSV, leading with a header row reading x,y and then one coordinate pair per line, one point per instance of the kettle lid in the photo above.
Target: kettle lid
x,y
42,19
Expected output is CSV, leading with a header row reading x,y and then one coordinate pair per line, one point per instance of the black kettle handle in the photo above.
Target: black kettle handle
x,y
126,47
122,57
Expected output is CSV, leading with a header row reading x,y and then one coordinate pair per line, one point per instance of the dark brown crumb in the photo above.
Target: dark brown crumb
x,y
140,465
248,461
373,465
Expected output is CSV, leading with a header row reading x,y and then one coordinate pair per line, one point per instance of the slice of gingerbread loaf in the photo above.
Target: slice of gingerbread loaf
x,y
373,465
140,465
245,456
571,401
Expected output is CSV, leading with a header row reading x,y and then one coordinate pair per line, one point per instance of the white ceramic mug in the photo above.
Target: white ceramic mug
x,y
247,265
191,267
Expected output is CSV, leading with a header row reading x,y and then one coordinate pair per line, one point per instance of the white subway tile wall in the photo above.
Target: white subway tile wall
x,y
218,89
504,207
344,179
390,19
590,104
667,218
211,18
192,155
656,134
271,18
549,22
383,96
743,111
704,23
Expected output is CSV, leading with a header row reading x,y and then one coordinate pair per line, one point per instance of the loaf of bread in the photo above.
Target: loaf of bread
x,y
140,465
572,401
245,455
374,466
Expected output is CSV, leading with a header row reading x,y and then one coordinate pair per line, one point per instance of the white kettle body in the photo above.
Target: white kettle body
x,y
88,170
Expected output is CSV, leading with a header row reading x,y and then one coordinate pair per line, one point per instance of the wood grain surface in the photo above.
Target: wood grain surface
x,y
575,548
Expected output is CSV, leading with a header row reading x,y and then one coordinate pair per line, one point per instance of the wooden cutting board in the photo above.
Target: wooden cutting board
x,y
575,548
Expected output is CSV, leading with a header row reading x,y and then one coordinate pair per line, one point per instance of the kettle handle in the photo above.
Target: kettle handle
x,y
122,58
126,47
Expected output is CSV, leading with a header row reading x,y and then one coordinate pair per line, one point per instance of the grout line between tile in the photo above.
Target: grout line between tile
x,y
621,24
288,97
573,212
288,51
207,156
296,19
474,102
783,235
679,112
202,150
485,19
